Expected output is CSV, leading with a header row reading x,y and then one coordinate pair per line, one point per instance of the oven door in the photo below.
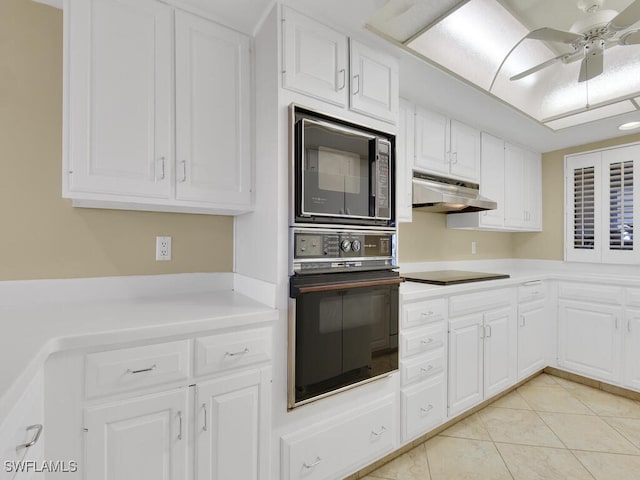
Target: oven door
x,y
343,332
343,175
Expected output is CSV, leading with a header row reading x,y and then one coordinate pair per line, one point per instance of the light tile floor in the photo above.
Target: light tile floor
x,y
548,429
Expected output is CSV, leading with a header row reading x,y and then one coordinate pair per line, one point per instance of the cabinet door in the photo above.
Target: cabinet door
x,y
465,363
632,349
431,149
465,152
492,180
590,339
143,439
232,427
404,161
374,82
119,119
532,189
315,59
213,128
532,333
513,188
499,350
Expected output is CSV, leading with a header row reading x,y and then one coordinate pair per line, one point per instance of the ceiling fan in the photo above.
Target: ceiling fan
x,y
590,37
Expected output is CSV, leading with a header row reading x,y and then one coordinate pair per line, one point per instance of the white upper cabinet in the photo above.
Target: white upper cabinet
x,y
492,179
465,151
315,59
121,151
404,160
118,89
374,82
446,147
212,113
523,198
431,146
320,62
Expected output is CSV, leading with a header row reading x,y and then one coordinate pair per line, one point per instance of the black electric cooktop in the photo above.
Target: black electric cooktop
x,y
451,277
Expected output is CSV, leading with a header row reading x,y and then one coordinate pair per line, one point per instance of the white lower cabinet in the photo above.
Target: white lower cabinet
x,y
482,348
532,333
423,406
232,424
590,339
144,438
632,349
334,449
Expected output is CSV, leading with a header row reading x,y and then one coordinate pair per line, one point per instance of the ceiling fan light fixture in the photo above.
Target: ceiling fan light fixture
x,y
629,126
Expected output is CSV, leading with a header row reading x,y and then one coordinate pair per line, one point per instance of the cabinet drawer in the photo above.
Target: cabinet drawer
x,y
138,367
589,292
423,367
336,449
21,426
479,301
530,291
423,407
422,340
232,350
420,313
633,297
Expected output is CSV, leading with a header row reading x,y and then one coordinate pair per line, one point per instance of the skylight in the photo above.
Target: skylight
x,y
485,43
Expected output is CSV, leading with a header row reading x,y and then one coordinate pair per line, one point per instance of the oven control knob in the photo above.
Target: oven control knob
x,y
356,245
345,246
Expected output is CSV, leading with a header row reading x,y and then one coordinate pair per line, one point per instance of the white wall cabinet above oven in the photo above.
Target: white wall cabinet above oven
x,y
320,62
120,147
446,147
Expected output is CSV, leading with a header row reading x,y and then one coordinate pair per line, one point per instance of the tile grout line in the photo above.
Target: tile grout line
x,y
493,442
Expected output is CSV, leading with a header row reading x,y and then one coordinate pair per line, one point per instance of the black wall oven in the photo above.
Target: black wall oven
x,y
343,311
342,172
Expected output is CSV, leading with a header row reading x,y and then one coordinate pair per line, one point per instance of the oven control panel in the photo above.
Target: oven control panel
x,y
317,251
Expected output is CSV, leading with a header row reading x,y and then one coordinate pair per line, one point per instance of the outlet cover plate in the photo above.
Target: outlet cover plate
x,y
163,248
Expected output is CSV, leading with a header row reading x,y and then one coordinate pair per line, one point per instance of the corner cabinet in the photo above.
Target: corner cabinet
x,y
121,57
321,62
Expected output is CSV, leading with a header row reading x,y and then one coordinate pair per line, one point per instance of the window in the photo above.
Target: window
x,y
600,215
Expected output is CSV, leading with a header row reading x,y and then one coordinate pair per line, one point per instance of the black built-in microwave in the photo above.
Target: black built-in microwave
x,y
343,173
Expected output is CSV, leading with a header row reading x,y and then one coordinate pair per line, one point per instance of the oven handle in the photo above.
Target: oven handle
x,y
295,291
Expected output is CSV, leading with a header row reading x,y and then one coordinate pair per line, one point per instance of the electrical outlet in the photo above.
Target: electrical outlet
x,y
473,248
163,248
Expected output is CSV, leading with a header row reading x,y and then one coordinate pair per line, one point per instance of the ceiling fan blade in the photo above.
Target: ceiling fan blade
x,y
630,38
526,73
592,65
626,18
553,35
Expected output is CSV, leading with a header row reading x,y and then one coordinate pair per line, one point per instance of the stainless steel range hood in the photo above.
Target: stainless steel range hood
x,y
444,195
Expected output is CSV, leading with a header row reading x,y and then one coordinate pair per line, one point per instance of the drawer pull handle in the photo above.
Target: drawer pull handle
x,y
377,434
38,427
317,462
204,425
235,354
427,341
180,420
151,368
426,410
426,314
426,370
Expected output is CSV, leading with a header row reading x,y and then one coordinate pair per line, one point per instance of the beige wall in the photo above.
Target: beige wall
x,y
549,244
427,239
41,235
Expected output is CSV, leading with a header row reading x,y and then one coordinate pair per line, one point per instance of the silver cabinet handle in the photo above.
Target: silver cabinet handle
x,y
317,462
488,331
180,420
38,428
426,370
343,73
427,314
454,157
427,341
616,322
235,354
426,410
357,78
377,434
162,159
133,372
523,320
184,171
204,425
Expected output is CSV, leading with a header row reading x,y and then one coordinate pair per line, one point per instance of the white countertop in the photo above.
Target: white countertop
x,y
30,333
